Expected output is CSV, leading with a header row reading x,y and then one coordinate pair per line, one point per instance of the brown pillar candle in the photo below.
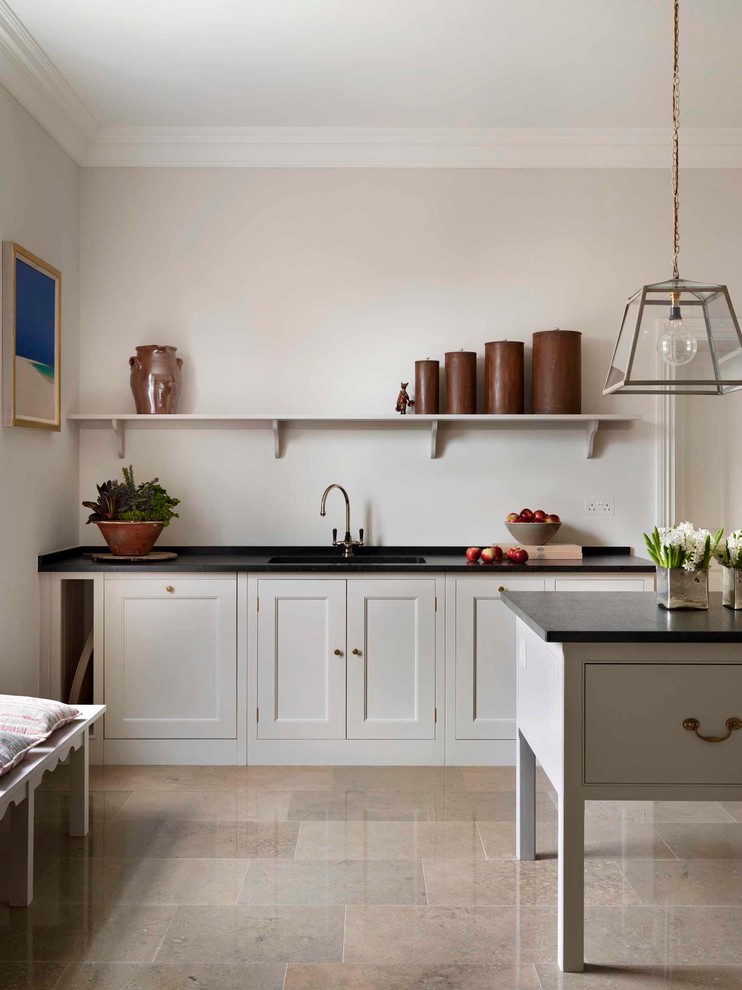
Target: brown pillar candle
x,y
427,386
557,372
503,376
461,382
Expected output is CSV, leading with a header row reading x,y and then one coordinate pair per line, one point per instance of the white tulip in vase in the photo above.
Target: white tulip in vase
x,y
682,554
729,554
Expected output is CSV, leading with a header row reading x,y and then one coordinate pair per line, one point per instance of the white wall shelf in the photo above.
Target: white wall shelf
x,y
586,423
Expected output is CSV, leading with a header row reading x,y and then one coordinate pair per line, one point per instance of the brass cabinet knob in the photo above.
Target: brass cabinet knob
x,y
169,587
501,588
356,653
338,653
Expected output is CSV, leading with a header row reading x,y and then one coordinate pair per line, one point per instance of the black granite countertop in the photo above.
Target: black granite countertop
x,y
626,617
234,560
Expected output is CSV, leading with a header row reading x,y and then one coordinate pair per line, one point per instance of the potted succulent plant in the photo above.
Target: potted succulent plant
x,y
131,516
729,554
682,555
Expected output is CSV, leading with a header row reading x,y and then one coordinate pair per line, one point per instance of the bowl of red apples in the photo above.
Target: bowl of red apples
x,y
533,528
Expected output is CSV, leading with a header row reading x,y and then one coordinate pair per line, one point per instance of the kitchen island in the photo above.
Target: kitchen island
x,y
619,699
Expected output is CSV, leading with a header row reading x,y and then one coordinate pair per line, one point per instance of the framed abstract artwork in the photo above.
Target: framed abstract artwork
x,y
32,309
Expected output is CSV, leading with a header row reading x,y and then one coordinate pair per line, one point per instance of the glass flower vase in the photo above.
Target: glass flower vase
x,y
678,588
732,587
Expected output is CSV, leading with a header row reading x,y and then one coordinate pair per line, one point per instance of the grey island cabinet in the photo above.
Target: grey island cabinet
x,y
619,699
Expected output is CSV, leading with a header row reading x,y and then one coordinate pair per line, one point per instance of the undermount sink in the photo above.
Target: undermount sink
x,y
334,559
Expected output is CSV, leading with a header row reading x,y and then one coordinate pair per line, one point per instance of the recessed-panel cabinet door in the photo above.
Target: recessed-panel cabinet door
x,y
391,659
301,659
485,657
600,584
171,658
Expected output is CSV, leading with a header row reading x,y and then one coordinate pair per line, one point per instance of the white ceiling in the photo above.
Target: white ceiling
x,y
392,63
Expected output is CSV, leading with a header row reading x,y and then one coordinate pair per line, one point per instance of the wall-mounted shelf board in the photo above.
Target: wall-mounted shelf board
x,y
586,423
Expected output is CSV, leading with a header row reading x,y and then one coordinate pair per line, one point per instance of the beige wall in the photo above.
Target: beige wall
x,y
313,291
38,469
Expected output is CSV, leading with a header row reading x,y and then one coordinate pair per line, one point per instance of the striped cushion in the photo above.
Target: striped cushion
x,y
37,717
13,747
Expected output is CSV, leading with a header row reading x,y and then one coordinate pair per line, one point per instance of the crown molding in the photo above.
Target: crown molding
x,y
347,147
28,74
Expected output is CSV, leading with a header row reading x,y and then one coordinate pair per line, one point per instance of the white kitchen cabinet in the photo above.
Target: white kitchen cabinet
x,y
301,659
344,659
484,662
171,658
227,668
391,659
607,583
481,657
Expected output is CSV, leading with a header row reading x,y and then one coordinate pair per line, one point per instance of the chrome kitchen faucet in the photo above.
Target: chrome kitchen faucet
x,y
347,544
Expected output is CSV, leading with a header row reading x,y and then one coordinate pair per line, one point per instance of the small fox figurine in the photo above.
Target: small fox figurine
x,y
403,399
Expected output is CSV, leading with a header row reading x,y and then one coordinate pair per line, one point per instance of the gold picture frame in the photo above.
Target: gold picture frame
x,y
32,338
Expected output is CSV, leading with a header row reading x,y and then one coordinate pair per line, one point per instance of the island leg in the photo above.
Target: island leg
x,y
571,867
525,814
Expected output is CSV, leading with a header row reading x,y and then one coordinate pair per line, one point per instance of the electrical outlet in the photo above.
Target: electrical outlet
x,y
600,506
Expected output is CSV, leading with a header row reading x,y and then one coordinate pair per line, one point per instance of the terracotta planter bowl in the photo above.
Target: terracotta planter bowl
x,y
533,534
130,539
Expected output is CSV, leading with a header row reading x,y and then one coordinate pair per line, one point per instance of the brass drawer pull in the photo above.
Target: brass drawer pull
x,y
356,653
501,588
338,653
693,725
169,587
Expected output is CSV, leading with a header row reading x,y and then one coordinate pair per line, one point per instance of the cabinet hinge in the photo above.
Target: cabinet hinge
x,y
435,714
257,714
257,604
436,603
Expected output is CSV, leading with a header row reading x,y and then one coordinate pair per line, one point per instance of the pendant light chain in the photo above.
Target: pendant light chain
x,y
676,143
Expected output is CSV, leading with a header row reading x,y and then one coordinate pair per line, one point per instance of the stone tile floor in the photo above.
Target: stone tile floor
x,y
364,878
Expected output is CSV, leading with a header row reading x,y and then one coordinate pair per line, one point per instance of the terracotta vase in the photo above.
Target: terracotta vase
x,y
155,378
130,539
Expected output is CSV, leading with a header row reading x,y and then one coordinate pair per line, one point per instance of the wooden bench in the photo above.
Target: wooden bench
x,y
17,799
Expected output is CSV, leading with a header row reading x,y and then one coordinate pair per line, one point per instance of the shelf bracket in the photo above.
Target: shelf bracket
x,y
119,434
433,439
591,428
276,438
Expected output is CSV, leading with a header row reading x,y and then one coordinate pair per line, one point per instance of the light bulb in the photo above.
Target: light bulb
x,y
676,345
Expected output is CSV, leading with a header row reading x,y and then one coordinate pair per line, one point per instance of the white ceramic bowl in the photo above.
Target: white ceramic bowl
x,y
533,534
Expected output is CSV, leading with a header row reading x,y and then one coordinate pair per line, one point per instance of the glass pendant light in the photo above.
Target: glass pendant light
x,y
677,337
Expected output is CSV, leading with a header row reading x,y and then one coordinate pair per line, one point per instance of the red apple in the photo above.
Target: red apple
x,y
522,518
539,516
553,518
473,554
512,517
497,551
526,514
518,555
